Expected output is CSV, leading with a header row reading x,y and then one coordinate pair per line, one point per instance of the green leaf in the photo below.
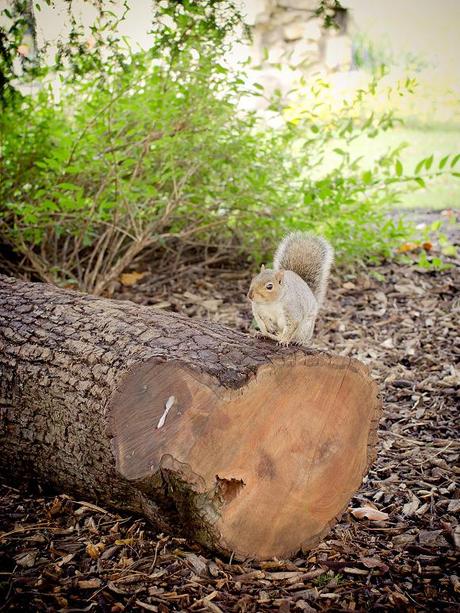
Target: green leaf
x,y
420,181
69,186
450,250
429,162
423,261
398,168
436,225
367,177
419,166
443,162
377,275
455,159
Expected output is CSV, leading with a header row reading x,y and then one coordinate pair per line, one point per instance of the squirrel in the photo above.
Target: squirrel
x,y
286,299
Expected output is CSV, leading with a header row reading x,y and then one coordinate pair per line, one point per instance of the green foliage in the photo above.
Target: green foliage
x,y
153,150
15,25
330,11
436,229
371,55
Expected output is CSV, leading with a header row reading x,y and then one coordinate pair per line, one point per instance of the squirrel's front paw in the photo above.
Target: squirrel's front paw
x,y
284,342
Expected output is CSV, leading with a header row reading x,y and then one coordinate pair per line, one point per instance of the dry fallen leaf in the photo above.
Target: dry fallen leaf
x,y
303,606
281,576
406,247
94,551
56,507
375,563
213,569
432,538
455,583
125,562
454,506
351,570
131,278
128,541
401,540
367,512
27,559
410,507
65,560
457,537
89,584
145,606
198,563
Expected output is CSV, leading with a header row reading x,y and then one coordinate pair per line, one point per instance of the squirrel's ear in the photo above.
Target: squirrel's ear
x,y
279,276
262,268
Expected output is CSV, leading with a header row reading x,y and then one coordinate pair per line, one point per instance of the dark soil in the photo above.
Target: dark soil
x,y
59,554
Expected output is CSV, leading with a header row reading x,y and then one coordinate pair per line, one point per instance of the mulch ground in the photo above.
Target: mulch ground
x,y
60,554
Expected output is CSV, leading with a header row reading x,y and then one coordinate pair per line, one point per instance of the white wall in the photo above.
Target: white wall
x,y
428,28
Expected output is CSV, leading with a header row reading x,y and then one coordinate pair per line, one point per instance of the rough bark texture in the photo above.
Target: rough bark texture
x,y
260,448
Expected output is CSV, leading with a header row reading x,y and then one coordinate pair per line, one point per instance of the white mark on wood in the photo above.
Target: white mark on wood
x,y
168,406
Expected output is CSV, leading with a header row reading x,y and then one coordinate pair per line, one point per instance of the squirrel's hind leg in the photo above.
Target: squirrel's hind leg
x,y
306,331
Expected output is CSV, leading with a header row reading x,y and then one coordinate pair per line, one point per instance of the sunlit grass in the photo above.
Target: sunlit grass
x,y
427,104
422,141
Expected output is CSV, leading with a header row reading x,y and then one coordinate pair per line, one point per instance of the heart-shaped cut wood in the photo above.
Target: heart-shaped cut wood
x,y
265,469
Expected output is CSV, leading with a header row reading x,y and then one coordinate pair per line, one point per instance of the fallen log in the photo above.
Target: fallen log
x,y
244,446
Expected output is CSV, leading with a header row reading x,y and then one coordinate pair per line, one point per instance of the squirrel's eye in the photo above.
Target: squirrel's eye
x,y
269,286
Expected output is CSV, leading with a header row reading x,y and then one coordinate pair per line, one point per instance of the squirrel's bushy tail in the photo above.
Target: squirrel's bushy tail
x,y
309,256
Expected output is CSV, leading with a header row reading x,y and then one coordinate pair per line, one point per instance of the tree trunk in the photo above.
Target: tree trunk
x,y
245,446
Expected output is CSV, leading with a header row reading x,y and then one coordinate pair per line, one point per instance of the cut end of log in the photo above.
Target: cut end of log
x,y
263,470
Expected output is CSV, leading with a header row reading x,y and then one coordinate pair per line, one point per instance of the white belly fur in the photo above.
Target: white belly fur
x,y
273,316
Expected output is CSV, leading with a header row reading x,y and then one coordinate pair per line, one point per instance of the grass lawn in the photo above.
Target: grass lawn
x,y
422,141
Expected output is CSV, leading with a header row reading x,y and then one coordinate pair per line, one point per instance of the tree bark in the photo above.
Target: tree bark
x,y
244,446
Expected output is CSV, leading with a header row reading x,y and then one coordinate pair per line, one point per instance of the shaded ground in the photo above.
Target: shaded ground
x,y
60,554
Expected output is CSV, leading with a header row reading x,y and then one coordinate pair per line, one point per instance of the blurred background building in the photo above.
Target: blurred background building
x,y
417,41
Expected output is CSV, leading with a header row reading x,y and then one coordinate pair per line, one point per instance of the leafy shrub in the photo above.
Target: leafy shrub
x,y
154,151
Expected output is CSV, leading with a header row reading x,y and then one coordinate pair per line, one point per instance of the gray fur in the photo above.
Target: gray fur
x,y
310,257
292,317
